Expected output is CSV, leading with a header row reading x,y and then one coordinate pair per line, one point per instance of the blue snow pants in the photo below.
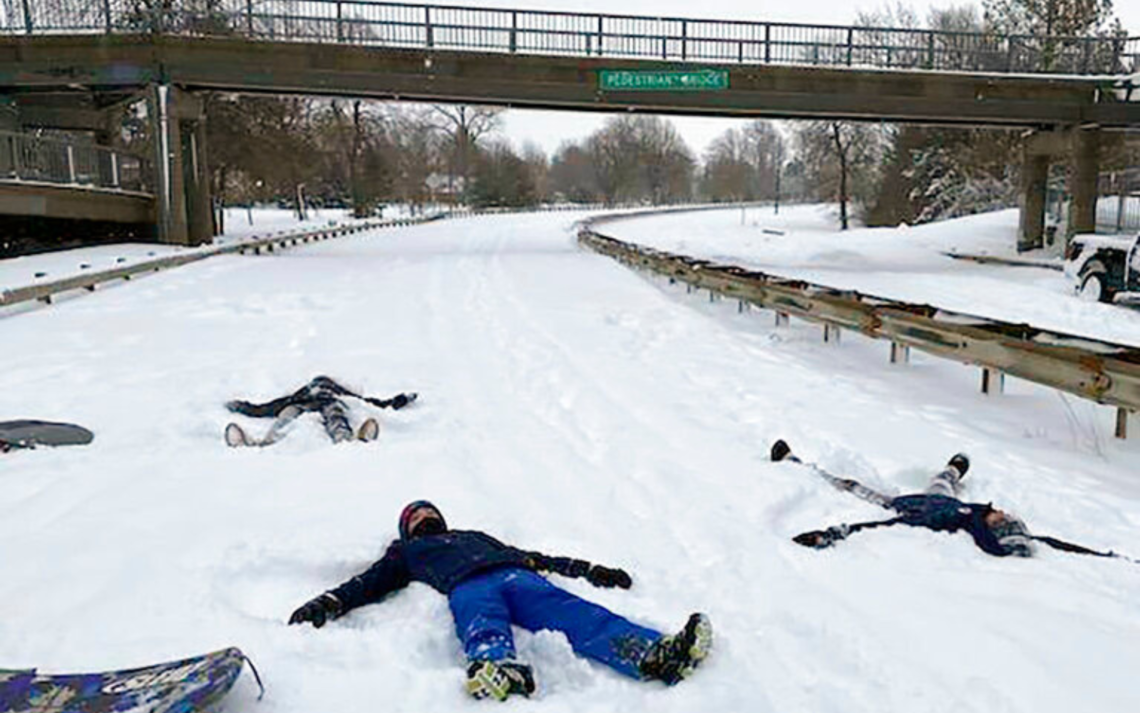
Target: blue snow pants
x,y
486,605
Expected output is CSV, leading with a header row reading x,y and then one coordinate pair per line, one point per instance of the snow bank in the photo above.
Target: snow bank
x,y
903,263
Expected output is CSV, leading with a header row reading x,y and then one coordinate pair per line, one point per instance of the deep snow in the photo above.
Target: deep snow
x,y
902,263
568,405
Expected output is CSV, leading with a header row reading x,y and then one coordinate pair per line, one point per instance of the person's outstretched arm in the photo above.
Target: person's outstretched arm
x,y
820,539
595,574
378,581
269,408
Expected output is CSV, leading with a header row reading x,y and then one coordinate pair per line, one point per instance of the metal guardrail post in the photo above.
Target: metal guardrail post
x,y
684,39
850,43
993,381
114,170
600,35
107,15
427,28
249,17
27,17
514,30
339,21
930,50
767,43
70,163
16,162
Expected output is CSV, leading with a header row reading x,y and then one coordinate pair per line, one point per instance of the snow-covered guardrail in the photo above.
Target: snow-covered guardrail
x,y
46,291
1100,371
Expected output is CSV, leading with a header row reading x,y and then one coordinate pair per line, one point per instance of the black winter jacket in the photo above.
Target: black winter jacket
x,y
443,561
946,514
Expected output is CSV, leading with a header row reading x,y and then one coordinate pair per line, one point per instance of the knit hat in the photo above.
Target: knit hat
x,y
410,509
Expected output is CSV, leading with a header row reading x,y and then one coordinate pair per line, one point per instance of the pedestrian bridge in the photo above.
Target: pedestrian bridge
x,y
62,57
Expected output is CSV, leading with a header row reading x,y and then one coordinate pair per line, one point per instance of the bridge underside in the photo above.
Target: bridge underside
x,y
113,62
46,200
68,81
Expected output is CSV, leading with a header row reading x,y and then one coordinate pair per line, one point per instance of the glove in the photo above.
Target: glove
x,y
402,400
600,576
820,539
317,611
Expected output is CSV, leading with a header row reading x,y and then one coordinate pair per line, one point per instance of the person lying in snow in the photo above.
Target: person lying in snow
x,y
937,508
491,586
321,395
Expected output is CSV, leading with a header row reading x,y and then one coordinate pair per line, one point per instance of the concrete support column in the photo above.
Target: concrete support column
x,y
170,187
1034,181
1082,180
200,204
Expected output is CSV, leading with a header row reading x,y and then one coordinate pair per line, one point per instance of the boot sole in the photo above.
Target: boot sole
x,y
702,640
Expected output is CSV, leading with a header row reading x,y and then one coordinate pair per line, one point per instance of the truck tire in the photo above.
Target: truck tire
x,y
1094,283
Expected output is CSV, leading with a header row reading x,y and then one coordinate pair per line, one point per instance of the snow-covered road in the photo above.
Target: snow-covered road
x,y
567,405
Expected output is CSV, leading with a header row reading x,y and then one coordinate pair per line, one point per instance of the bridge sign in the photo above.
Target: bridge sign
x,y
624,80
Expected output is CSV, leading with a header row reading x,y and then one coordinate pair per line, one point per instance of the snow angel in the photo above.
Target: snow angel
x,y
321,395
491,586
937,508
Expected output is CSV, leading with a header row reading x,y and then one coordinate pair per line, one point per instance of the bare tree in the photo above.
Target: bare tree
x,y
417,147
728,173
837,152
766,152
572,175
465,125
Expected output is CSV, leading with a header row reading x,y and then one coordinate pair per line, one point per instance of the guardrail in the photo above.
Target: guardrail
x,y
31,157
1100,371
47,291
360,22
90,282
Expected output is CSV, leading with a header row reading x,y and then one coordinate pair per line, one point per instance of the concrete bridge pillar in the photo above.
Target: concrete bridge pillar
x,y
178,121
199,208
1034,182
1085,167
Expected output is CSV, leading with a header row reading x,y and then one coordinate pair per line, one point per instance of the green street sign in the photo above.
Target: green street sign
x,y
701,80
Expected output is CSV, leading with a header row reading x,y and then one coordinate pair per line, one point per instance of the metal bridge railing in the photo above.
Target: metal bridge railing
x,y
30,157
361,22
1118,205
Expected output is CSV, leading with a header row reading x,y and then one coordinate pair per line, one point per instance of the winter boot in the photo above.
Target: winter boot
x,y
369,430
236,436
673,658
961,464
499,679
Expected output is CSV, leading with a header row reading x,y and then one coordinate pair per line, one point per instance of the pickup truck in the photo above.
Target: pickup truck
x,y
1104,268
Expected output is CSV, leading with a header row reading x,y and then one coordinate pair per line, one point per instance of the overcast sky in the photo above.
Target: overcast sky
x,y
548,129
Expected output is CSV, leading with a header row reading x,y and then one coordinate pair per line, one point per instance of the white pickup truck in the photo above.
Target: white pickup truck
x,y
1105,268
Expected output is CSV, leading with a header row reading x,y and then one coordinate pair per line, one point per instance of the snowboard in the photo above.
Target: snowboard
x,y
191,685
30,434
